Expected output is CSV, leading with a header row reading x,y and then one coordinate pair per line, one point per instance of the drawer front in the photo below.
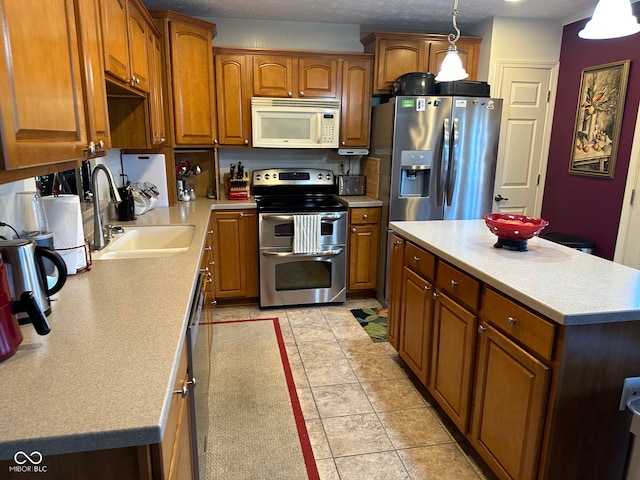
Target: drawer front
x,y
420,261
531,330
459,285
365,215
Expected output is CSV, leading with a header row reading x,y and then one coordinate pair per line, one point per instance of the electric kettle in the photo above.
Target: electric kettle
x,y
23,259
10,334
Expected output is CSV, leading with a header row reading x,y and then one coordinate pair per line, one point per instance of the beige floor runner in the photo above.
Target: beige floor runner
x,y
253,434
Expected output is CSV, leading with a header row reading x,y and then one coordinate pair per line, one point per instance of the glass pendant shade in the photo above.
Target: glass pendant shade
x,y
611,19
451,69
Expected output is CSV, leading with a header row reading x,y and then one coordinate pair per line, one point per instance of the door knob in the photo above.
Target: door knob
x,y
499,197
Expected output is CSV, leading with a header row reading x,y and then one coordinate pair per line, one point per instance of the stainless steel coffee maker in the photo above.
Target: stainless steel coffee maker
x,y
24,260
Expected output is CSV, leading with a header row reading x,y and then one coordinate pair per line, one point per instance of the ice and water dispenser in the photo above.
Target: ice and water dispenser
x,y
415,173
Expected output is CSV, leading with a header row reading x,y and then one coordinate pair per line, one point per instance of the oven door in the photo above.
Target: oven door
x,y
297,279
276,229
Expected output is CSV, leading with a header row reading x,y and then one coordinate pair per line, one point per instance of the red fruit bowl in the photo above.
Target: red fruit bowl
x,y
508,226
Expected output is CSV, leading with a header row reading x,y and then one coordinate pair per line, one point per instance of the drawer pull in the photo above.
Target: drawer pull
x,y
511,321
426,288
353,229
481,329
434,295
365,216
397,243
416,259
453,283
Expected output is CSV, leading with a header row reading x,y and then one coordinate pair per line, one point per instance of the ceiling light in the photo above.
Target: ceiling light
x,y
451,68
611,19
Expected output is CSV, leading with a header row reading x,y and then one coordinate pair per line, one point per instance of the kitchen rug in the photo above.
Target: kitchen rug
x,y
374,322
256,426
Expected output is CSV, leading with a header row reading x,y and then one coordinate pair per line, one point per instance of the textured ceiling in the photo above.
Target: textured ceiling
x,y
398,14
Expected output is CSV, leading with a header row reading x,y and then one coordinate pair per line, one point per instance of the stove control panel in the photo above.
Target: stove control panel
x,y
292,176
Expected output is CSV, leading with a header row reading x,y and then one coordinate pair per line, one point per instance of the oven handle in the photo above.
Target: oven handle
x,y
331,217
325,253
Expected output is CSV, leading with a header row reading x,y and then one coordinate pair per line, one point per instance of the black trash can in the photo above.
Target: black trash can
x,y
571,241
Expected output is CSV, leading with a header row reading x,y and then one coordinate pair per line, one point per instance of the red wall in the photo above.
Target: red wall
x,y
589,207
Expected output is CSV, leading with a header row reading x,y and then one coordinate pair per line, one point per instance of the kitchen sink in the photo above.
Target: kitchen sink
x,y
147,241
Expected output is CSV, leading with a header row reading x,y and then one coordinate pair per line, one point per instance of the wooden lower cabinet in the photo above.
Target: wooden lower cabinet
x,y
395,290
416,322
362,248
452,359
235,253
509,406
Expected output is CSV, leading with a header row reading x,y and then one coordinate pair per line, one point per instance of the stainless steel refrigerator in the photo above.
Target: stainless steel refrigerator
x,y
438,161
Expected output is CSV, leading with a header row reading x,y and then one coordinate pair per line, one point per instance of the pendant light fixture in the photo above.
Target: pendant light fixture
x,y
451,68
611,19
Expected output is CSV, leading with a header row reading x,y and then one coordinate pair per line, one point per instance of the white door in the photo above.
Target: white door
x,y
528,92
628,241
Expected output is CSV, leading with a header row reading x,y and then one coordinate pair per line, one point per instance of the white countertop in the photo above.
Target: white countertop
x,y
103,377
566,285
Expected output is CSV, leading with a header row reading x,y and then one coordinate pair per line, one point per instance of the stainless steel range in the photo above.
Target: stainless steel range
x,y
302,234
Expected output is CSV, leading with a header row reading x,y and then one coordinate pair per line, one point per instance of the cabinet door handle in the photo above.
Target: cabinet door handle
x,y
353,229
454,283
434,295
426,288
481,329
397,243
246,142
242,215
183,391
290,94
301,93
511,321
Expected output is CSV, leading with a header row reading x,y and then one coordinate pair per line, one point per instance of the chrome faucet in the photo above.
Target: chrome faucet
x,y
98,232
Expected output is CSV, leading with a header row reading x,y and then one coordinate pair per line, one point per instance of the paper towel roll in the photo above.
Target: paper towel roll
x,y
65,220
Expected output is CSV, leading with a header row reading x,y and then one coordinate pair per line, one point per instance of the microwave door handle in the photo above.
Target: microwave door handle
x,y
318,128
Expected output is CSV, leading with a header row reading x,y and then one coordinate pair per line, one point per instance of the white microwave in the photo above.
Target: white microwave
x,y
295,122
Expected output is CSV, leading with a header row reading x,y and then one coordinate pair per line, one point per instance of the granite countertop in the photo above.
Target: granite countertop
x,y
103,377
566,285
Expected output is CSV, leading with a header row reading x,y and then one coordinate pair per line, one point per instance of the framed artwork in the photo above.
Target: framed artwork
x,y
599,114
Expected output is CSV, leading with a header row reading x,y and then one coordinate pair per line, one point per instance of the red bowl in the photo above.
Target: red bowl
x,y
509,226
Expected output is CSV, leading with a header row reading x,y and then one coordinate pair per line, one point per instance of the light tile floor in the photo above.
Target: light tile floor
x,y
365,417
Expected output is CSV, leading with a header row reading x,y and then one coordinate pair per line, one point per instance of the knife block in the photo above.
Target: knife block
x,y
237,189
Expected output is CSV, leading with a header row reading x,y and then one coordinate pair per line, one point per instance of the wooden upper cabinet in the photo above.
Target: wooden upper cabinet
x,y
273,76
318,77
115,38
233,95
282,76
156,94
400,53
138,47
396,57
42,108
190,81
355,108
92,61
126,48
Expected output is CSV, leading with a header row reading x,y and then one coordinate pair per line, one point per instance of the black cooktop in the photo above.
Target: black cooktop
x,y
301,203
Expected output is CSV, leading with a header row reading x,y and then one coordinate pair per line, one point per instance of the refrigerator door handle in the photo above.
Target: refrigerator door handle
x,y
443,161
453,161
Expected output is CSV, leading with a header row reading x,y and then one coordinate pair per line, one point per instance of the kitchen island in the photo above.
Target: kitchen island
x,y
104,377
526,352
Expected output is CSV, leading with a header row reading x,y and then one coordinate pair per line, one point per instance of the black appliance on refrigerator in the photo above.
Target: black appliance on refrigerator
x,y
437,161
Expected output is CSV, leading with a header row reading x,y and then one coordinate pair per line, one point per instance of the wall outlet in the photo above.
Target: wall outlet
x,y
631,388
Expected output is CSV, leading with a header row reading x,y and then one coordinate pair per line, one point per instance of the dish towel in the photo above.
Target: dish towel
x,y
306,233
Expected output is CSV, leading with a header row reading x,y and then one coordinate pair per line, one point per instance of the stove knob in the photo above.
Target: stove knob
x,y
258,177
267,176
328,177
319,176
